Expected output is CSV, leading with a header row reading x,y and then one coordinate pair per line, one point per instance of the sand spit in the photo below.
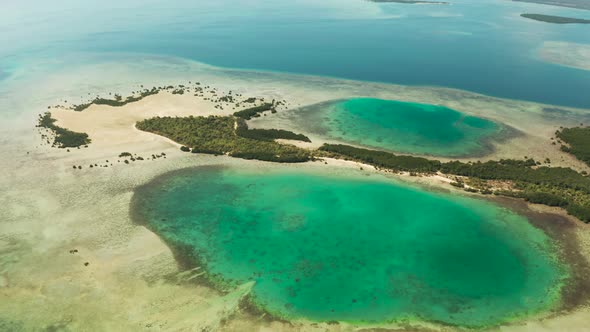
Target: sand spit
x,y
56,219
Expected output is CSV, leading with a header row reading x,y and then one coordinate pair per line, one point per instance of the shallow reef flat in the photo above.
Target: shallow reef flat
x,y
71,252
566,54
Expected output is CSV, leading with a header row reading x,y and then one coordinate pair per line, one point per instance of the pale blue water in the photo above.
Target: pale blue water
x,y
481,46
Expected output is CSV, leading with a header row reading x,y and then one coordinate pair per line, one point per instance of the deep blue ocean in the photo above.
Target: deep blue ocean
x,y
482,46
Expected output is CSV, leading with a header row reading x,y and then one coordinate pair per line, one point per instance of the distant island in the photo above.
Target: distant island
x,y
411,2
555,19
578,4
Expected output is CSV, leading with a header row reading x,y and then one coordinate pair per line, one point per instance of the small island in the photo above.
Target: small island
x,y
560,3
555,19
412,2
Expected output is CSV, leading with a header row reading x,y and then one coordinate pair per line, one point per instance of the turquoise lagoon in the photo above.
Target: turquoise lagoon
x,y
354,248
404,127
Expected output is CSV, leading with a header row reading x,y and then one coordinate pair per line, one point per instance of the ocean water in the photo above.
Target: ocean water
x,y
403,127
355,248
482,46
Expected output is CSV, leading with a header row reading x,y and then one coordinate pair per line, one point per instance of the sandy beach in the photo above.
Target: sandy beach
x,y
71,257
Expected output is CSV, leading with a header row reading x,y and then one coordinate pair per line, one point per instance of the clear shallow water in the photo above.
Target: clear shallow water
x,y
355,249
404,127
482,46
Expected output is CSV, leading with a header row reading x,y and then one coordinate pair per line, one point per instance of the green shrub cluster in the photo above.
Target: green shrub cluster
x,y
217,135
579,211
384,159
64,138
500,170
267,134
254,112
555,19
545,198
578,139
118,101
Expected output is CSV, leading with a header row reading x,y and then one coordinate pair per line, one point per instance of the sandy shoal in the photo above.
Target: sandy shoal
x,y
566,54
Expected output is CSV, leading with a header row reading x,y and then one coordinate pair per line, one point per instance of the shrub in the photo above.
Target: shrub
x,y
267,134
216,135
578,139
63,138
545,198
252,112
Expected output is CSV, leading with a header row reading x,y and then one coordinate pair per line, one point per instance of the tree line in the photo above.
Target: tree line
x,y
553,186
267,134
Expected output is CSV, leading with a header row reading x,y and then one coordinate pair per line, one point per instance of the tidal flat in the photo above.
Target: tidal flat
x,y
52,209
73,256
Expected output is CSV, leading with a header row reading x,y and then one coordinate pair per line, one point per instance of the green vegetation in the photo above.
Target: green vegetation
x,y
118,101
254,112
227,99
555,19
63,138
579,4
384,159
217,135
546,198
556,186
250,100
578,139
267,134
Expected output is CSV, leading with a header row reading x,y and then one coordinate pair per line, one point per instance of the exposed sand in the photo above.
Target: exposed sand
x,y
113,128
566,54
132,281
